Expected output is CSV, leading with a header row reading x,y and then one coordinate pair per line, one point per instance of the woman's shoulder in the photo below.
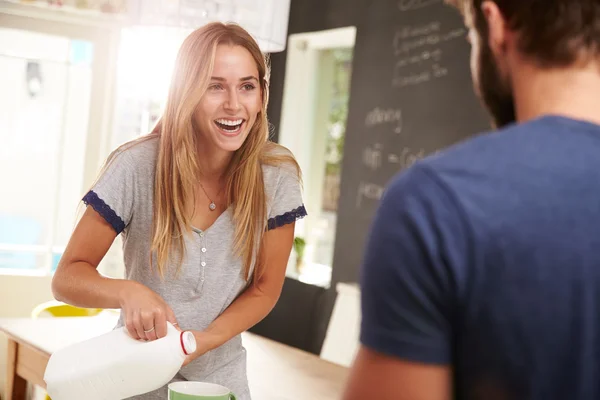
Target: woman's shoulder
x,y
139,154
142,149
279,168
276,149
278,159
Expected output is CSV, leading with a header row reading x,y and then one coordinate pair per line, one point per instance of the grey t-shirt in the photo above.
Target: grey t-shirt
x,y
210,277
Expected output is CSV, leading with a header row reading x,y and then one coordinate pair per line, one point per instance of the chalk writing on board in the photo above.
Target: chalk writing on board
x,y
457,33
439,71
435,55
408,39
369,191
372,157
408,31
379,116
406,157
418,49
412,79
407,5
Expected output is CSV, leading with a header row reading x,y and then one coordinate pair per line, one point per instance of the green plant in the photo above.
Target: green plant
x,y
338,112
299,245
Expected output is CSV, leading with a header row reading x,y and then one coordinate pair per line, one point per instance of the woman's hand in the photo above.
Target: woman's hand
x,y
205,342
146,313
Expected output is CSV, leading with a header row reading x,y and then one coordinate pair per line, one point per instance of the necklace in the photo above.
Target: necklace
x,y
212,206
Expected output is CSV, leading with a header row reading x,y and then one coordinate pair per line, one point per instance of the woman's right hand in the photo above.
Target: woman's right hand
x,y
146,313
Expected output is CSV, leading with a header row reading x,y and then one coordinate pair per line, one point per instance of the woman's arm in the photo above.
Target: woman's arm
x,y
257,300
78,282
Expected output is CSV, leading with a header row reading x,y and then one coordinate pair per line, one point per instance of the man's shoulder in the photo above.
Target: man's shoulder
x,y
471,159
491,148
440,179
480,147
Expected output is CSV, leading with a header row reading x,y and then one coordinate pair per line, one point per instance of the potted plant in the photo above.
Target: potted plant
x,y
299,245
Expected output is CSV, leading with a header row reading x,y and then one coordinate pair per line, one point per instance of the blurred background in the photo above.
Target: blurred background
x,y
78,80
359,91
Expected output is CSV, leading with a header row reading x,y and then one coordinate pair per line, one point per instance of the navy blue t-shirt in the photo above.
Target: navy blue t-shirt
x,y
486,257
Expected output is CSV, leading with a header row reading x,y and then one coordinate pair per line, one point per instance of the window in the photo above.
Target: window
x,y
143,79
44,103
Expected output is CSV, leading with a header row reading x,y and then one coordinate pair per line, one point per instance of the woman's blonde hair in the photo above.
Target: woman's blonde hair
x,y
177,170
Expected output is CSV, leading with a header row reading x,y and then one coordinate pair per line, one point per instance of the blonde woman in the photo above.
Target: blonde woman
x,y
206,206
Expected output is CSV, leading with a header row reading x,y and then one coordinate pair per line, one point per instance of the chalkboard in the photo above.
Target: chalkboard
x,y
411,95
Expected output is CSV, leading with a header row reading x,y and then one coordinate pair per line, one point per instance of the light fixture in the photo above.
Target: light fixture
x,y
33,78
265,20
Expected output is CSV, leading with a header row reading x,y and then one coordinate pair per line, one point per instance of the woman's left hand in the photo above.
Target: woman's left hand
x,y
203,346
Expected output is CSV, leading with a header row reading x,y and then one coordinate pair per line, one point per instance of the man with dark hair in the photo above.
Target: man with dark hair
x,y
481,278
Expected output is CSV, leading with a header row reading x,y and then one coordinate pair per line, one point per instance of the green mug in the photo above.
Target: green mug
x,y
188,390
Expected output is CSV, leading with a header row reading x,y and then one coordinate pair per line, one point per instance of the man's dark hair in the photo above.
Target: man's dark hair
x,y
553,33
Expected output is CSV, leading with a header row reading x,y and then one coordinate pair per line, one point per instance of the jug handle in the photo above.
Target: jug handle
x,y
232,396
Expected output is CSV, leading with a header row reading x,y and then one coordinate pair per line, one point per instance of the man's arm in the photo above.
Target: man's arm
x,y
378,376
409,291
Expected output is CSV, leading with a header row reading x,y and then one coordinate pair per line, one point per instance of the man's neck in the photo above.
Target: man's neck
x,y
569,92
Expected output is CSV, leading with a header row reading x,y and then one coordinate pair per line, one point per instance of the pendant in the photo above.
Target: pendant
x,y
212,206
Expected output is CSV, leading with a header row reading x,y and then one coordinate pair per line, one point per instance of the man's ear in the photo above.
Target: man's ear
x,y
497,27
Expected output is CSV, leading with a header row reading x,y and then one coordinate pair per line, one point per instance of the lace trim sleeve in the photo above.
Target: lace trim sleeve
x,y
286,218
92,199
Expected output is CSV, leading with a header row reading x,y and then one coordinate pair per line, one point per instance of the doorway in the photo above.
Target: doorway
x,y
313,125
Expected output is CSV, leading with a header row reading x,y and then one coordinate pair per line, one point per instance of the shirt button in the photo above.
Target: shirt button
x,y
203,264
201,234
204,249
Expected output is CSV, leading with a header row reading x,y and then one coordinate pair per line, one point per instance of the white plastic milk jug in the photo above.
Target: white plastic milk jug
x,y
115,366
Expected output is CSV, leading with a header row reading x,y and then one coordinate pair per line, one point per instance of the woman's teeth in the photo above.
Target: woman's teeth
x,y
230,122
229,126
